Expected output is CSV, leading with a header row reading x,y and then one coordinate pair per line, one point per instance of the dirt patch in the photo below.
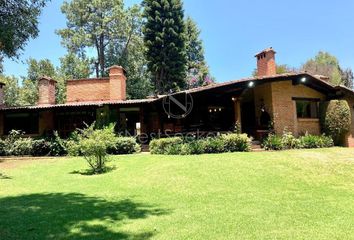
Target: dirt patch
x,y
15,162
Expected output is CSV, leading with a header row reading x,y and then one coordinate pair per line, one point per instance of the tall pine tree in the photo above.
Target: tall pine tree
x,y
164,37
197,69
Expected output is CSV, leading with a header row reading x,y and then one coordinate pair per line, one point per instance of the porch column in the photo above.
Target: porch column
x,y
237,110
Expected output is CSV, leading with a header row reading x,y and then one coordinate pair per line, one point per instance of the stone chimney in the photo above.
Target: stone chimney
x,y
266,63
46,88
2,94
117,83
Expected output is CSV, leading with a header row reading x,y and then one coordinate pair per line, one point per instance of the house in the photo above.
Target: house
x,y
285,101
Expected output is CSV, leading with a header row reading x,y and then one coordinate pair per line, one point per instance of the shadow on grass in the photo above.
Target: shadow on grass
x,y
3,176
70,216
89,172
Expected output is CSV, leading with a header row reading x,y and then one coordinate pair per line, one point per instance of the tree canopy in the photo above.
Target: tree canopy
x,y
19,23
197,69
115,35
164,36
324,64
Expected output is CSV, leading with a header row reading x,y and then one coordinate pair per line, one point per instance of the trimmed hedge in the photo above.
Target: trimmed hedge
x,y
162,145
179,146
273,142
311,141
337,120
236,142
18,145
125,145
288,141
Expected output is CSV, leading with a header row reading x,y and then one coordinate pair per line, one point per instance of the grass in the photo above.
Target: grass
x,y
306,194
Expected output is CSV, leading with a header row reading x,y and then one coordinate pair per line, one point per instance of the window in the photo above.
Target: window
x,y
26,122
307,108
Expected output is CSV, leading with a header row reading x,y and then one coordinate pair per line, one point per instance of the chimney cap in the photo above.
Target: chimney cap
x,y
47,79
117,67
270,49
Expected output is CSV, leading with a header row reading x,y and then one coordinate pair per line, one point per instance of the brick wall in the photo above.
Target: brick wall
x,y
117,83
88,90
266,65
98,89
46,89
284,108
311,126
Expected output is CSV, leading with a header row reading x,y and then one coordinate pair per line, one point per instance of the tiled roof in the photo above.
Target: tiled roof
x,y
285,76
81,104
250,79
270,49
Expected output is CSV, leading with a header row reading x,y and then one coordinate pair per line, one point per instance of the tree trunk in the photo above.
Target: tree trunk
x,y
101,57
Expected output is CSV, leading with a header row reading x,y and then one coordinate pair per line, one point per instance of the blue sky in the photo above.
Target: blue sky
x,y
233,31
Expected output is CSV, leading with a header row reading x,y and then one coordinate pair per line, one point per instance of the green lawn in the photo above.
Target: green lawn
x,y
305,194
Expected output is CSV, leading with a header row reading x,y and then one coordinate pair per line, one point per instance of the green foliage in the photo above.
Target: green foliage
x,y
94,144
213,145
125,145
36,70
159,146
347,77
288,141
197,69
40,147
2,148
113,33
273,142
179,146
57,145
164,37
17,145
19,23
194,147
312,141
11,90
337,120
324,64
236,142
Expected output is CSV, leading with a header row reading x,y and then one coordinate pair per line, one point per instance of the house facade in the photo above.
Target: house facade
x,y
290,101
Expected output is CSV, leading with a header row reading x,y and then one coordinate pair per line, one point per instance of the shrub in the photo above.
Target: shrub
x,y
2,148
94,143
312,141
195,147
289,141
17,145
57,146
159,146
178,146
337,120
174,149
236,142
273,142
72,145
40,147
125,145
213,145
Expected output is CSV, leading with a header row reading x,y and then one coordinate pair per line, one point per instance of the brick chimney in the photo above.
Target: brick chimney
x,y
2,94
266,63
46,88
117,83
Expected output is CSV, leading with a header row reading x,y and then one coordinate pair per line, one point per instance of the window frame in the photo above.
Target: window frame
x,y
309,101
29,119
